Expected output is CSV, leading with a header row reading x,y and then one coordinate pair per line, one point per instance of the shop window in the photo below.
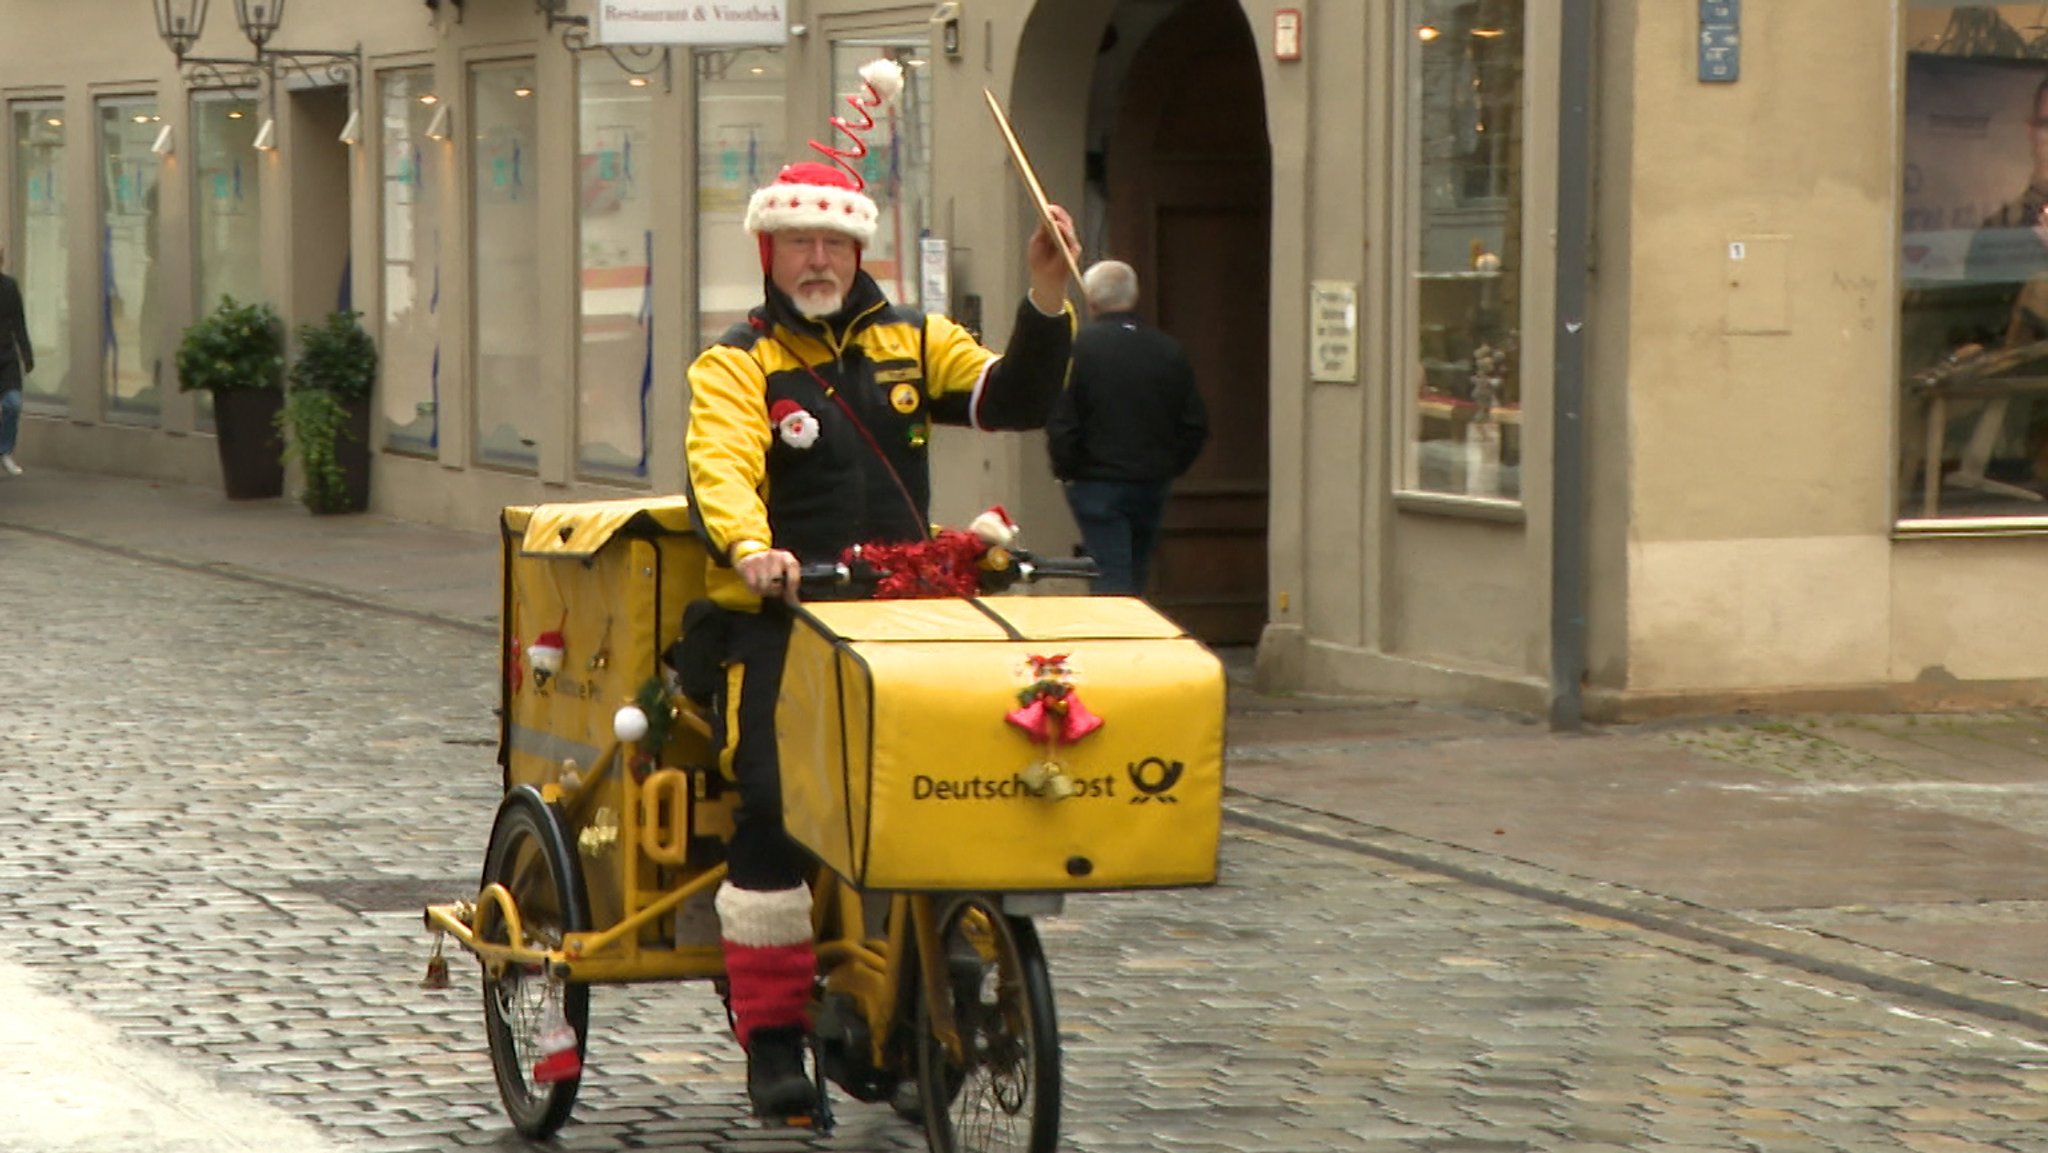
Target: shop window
x,y
135,361
505,272
897,167
740,146
615,289
409,385
227,207
1973,332
37,255
1462,392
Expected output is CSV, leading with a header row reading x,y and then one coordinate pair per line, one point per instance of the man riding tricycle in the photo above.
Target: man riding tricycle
x,y
773,736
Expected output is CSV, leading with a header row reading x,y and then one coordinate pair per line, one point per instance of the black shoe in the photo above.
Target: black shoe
x,y
775,1074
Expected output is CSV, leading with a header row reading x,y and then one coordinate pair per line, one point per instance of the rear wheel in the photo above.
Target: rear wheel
x,y
530,855
1003,1093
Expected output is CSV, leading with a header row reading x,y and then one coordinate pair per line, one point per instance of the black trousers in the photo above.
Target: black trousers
x,y
761,856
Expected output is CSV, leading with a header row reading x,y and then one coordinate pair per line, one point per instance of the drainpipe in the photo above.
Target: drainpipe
x,y
1568,426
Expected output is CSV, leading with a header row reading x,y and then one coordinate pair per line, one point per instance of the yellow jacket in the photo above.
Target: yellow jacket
x,y
775,459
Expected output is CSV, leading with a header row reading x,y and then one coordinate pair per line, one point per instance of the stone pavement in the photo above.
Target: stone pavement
x,y
1908,853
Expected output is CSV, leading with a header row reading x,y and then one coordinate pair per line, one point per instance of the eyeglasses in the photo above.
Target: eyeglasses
x,y
2038,122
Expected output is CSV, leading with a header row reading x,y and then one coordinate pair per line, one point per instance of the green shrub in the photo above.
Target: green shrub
x,y
336,357
236,347
336,367
314,421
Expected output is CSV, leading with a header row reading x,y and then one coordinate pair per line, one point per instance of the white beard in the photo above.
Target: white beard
x,y
818,301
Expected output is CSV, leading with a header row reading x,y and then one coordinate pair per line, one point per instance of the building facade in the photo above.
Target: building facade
x,y
1806,453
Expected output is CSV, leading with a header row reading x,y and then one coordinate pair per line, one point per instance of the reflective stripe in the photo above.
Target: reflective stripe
x,y
556,749
974,398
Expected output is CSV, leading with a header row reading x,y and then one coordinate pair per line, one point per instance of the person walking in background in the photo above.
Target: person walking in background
x,y
17,356
1129,422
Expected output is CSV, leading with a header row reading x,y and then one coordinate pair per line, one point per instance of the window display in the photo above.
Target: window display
x,y
615,356
409,387
37,255
506,210
1464,397
227,208
135,363
739,148
1973,332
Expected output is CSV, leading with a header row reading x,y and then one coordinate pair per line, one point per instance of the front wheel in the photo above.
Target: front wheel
x,y
530,854
1003,1091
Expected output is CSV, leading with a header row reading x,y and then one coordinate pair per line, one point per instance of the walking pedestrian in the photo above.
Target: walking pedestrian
x,y
1130,421
17,356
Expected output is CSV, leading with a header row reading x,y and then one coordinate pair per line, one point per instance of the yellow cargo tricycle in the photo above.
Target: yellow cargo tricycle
x,y
957,765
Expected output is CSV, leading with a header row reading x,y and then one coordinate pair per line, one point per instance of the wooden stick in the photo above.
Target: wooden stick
x,y
1031,182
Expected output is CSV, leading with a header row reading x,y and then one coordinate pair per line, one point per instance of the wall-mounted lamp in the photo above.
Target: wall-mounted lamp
x,y
352,129
266,136
437,128
165,144
947,16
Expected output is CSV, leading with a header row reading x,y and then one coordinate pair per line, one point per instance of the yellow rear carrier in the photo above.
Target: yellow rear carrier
x,y
908,763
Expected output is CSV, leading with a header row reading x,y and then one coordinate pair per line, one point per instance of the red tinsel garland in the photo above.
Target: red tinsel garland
x,y
947,565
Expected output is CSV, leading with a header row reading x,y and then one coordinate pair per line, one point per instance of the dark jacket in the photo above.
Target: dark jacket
x,y
17,355
1131,411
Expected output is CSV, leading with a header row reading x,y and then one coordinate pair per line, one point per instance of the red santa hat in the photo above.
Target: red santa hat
x,y
829,194
545,653
994,527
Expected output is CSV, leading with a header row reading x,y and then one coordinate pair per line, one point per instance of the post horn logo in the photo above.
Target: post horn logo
x,y
1154,778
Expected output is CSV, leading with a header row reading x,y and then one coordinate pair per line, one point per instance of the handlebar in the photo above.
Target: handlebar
x,y
1024,566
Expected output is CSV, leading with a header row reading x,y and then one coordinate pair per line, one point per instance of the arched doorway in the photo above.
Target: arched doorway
x,y
1186,171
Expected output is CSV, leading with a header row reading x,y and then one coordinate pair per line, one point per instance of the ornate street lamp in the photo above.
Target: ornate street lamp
x,y
179,22
259,20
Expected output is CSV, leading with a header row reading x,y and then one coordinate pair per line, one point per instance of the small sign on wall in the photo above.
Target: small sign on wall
x,y
1287,34
1333,331
691,22
1720,41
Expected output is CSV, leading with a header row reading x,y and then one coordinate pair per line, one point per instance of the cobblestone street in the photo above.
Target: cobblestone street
x,y
229,801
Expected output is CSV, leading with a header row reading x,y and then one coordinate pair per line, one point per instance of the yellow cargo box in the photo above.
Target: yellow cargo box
x,y
596,590
902,770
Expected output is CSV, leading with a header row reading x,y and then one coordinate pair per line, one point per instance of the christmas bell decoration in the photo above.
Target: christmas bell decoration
x,y
1050,711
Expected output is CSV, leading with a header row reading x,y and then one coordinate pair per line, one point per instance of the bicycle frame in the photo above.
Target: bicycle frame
x,y
869,970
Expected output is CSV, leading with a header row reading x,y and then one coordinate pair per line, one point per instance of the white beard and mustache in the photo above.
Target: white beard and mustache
x,y
819,298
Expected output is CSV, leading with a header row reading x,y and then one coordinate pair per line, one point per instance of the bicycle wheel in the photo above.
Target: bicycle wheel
x,y
530,855
1005,1093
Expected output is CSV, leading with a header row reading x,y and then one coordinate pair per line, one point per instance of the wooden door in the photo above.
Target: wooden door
x,y
1190,181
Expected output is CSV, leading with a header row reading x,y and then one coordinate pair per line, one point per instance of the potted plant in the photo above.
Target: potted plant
x,y
326,416
236,354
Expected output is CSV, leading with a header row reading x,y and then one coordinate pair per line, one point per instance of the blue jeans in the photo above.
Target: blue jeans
x,y
1120,528
10,419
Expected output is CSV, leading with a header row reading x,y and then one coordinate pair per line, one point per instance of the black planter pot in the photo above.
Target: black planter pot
x,y
251,447
352,453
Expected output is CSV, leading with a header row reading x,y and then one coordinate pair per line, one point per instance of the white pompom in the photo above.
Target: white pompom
x,y
885,76
629,723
